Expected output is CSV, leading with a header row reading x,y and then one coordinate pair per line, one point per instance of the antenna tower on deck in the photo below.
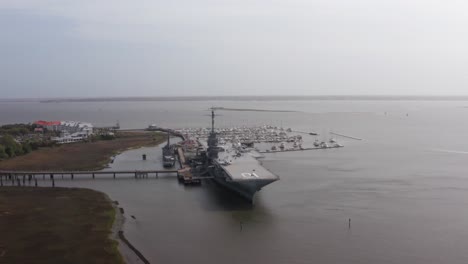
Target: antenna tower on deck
x,y
212,120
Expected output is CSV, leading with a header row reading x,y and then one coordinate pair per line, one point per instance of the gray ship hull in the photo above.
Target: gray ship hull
x,y
246,189
244,176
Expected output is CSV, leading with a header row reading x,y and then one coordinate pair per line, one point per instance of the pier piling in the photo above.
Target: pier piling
x,y
35,182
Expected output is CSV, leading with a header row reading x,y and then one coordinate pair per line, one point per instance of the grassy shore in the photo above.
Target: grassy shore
x,y
82,156
56,225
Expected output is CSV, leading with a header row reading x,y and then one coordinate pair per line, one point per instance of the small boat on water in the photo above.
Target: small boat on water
x,y
316,143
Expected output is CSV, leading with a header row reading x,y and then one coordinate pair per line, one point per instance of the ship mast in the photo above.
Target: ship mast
x,y
212,152
212,120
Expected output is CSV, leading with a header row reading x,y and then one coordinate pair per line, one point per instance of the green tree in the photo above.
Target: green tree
x,y
12,148
26,146
3,154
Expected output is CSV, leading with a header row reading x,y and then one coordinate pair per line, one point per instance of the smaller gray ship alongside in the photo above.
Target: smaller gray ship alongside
x,y
168,154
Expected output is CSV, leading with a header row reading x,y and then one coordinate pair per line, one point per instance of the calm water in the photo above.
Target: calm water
x,y
405,186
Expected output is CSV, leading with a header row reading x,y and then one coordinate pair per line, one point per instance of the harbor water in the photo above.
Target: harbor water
x,y
404,185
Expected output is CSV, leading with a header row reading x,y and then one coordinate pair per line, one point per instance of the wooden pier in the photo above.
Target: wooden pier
x,y
72,174
19,178
167,130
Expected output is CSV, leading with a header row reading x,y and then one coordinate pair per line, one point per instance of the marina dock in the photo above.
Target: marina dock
x,y
302,149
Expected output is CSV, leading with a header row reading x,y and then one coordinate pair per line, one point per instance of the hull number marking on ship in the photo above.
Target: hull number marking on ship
x,y
249,175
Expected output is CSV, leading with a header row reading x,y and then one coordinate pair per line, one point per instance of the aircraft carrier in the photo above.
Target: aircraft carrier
x,y
235,167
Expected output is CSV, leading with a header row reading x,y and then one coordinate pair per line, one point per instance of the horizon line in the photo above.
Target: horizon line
x,y
236,97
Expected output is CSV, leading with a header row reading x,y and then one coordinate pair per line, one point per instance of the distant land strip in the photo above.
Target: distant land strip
x,y
252,110
244,98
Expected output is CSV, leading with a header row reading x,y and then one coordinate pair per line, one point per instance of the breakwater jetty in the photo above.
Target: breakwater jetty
x,y
341,135
299,149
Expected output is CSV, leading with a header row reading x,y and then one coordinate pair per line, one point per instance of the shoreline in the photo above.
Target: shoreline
x,y
129,253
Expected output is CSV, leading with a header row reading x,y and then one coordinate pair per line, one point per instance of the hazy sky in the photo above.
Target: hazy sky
x,y
85,48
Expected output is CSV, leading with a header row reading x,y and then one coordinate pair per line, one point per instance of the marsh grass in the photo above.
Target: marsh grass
x,y
56,225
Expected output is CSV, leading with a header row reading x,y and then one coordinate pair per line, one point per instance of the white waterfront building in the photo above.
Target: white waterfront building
x,y
73,131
